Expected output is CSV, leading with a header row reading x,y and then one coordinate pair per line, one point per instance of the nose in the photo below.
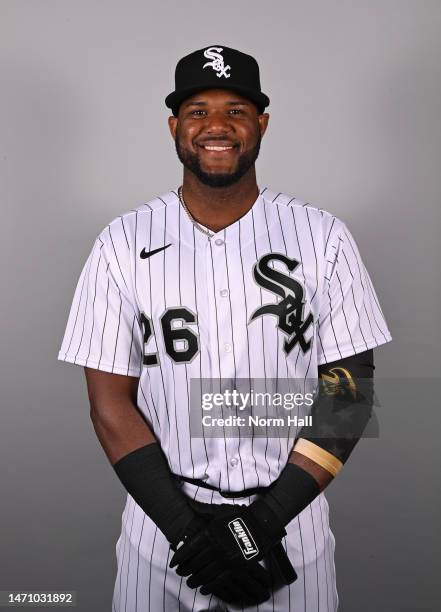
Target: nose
x,y
217,123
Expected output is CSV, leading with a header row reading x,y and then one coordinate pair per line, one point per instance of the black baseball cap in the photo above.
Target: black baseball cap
x,y
217,67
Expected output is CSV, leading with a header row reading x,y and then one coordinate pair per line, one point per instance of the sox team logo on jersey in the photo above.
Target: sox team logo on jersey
x,y
289,310
217,61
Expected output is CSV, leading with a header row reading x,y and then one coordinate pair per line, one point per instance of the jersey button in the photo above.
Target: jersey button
x,y
224,292
227,348
218,242
234,461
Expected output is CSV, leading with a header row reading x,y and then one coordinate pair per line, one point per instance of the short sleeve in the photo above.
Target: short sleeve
x,y
351,319
103,330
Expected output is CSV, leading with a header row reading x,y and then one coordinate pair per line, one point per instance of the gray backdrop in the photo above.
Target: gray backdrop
x,y
354,129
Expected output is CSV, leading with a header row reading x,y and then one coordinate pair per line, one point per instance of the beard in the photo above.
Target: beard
x,y
191,161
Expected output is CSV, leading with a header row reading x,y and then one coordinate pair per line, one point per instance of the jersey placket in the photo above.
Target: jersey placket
x,y
223,366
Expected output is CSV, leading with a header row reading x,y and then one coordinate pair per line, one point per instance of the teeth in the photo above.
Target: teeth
x,y
212,148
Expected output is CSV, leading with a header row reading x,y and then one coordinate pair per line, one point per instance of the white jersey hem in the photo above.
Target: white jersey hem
x,y
352,350
100,365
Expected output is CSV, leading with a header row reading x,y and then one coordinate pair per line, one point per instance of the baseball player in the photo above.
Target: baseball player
x,y
222,280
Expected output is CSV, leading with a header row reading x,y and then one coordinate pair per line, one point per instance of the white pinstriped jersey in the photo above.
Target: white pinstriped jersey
x,y
186,311
272,296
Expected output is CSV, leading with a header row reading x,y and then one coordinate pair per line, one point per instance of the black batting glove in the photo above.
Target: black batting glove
x,y
235,537
247,584
244,586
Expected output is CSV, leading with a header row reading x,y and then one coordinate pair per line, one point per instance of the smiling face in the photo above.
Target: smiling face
x,y
217,135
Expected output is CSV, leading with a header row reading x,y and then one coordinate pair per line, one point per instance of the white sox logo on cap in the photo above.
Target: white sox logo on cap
x,y
217,63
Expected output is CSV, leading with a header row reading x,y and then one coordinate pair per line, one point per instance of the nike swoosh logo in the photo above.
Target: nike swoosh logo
x,y
146,254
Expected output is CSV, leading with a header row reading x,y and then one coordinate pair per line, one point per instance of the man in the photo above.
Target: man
x,y
221,280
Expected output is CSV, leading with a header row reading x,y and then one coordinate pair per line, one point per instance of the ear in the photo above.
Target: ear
x,y
173,125
263,122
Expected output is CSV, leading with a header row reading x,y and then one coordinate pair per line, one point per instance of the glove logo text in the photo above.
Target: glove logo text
x,y
243,538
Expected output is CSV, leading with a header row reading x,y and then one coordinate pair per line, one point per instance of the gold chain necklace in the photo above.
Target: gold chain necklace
x,y
195,223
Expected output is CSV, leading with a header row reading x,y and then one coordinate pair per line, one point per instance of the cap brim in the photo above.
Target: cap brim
x,y
175,99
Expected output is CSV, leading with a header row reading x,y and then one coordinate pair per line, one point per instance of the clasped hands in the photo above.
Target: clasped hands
x,y
221,555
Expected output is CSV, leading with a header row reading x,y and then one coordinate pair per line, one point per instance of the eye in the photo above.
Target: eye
x,y
197,113
236,111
